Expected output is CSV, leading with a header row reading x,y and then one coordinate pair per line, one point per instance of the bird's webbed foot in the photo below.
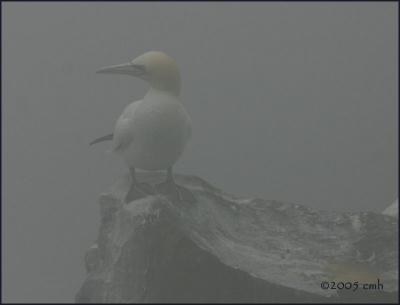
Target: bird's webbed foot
x,y
138,191
174,191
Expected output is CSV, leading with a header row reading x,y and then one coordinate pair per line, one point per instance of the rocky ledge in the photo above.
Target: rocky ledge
x,y
229,249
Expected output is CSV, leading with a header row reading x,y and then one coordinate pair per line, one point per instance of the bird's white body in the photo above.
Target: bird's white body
x,y
151,134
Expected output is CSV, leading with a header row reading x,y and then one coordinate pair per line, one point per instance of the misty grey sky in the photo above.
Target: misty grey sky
x,y
290,101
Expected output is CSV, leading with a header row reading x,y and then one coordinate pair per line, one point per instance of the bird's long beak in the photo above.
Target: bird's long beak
x,y
126,68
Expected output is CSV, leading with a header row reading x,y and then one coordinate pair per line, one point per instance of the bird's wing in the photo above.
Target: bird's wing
x,y
108,137
123,132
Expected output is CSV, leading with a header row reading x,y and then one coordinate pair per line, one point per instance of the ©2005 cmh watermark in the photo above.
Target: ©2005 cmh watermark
x,y
351,285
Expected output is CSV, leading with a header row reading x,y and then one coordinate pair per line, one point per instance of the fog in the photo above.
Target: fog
x,y
289,101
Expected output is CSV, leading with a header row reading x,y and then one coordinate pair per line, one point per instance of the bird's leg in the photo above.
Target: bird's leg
x,y
170,188
138,189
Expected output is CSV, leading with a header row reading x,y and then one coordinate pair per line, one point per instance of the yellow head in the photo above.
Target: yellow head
x,y
155,67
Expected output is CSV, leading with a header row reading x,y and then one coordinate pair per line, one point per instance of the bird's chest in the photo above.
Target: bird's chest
x,y
160,125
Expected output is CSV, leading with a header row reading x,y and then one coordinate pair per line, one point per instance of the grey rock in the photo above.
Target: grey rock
x,y
230,249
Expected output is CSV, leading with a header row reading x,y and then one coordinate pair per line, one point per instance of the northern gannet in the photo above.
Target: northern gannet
x,y
151,133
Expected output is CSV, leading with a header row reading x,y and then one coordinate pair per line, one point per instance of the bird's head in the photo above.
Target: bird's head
x,y
155,67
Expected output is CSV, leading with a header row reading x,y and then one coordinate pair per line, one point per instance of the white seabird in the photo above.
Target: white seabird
x,y
151,133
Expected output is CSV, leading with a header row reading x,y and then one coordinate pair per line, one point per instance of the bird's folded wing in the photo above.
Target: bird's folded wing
x,y
123,135
124,128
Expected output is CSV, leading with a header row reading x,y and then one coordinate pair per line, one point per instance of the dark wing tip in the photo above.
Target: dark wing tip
x,y
102,139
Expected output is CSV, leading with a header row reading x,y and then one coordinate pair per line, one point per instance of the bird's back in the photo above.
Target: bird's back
x,y
152,133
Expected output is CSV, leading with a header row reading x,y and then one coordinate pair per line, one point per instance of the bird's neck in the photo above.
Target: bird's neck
x,y
156,93
162,89
170,85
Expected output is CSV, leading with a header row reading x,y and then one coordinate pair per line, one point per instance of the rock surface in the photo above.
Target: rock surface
x,y
228,249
